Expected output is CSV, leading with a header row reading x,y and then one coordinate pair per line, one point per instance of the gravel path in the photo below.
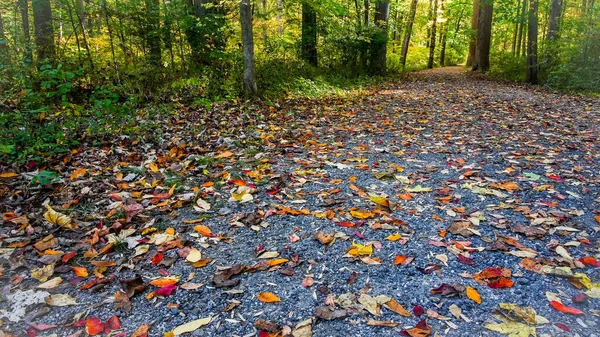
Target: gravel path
x,y
455,173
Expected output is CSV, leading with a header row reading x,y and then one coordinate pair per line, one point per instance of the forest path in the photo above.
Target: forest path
x,y
429,185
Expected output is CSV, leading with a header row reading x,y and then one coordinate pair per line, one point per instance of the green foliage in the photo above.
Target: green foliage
x,y
45,178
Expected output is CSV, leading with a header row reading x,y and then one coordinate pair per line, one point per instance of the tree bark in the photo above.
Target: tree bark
x,y
433,31
473,39
429,17
554,19
379,42
484,36
514,44
153,35
80,10
366,18
4,52
44,32
532,49
408,33
309,34
248,48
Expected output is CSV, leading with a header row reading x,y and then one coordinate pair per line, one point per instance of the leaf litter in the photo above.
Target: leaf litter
x,y
465,200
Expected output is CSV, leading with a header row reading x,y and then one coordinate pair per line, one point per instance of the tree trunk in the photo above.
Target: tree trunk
x,y
433,31
514,44
484,36
80,10
248,48
265,18
309,34
27,53
532,49
408,33
523,36
153,34
473,39
443,33
4,52
44,32
379,42
280,10
366,19
429,17
554,19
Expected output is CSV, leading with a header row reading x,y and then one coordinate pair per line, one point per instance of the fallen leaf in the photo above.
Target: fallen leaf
x,y
60,300
58,219
94,326
566,309
267,297
512,329
473,295
191,326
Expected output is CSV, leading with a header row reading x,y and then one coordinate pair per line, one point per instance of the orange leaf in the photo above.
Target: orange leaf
x,y
566,309
8,175
268,297
399,259
276,262
204,230
201,263
94,326
358,214
78,173
404,196
597,217
225,154
164,281
81,271
473,294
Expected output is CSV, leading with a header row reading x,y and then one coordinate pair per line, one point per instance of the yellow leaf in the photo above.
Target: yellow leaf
x,y
8,175
78,173
268,297
59,219
394,237
360,250
204,230
194,256
473,294
512,329
358,214
379,200
152,166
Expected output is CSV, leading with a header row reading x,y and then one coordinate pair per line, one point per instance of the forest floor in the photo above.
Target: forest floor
x,y
444,205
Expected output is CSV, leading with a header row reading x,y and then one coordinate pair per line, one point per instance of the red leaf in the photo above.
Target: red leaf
x,y
157,258
166,290
94,326
562,326
346,224
112,323
418,310
566,309
65,258
501,282
590,261
465,260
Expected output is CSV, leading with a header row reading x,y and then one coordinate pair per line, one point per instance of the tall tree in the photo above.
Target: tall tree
x,y
367,6
554,19
248,48
444,33
379,42
522,19
532,48
153,34
44,32
27,54
484,36
408,32
309,33
4,51
433,32
473,35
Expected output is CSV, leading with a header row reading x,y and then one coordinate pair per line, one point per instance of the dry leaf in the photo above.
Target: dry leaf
x,y
59,219
191,326
473,294
60,300
267,297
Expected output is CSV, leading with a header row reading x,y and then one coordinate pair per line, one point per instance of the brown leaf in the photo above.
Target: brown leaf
x,y
396,307
329,313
